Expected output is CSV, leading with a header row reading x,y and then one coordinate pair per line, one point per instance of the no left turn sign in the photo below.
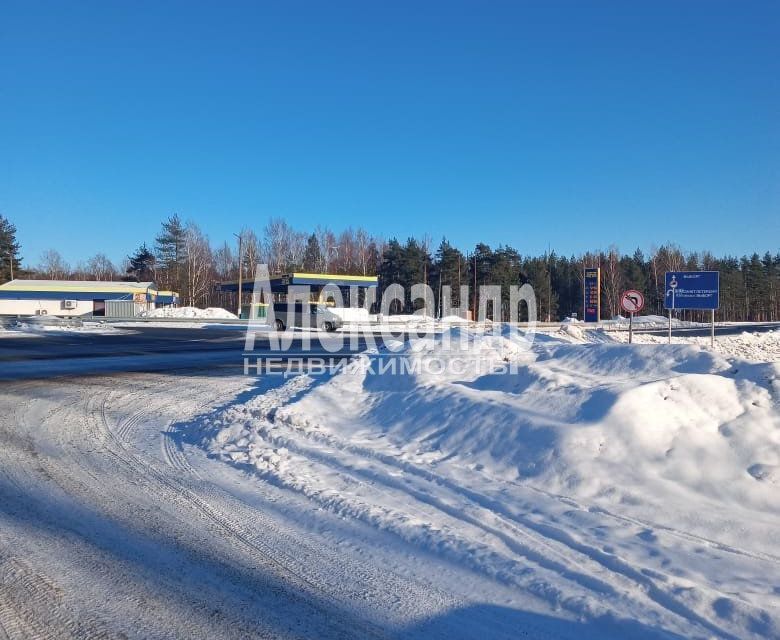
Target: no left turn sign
x,y
632,301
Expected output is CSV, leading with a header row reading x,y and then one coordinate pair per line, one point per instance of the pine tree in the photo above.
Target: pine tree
x,y
390,270
312,257
10,259
448,269
566,284
505,272
171,249
142,265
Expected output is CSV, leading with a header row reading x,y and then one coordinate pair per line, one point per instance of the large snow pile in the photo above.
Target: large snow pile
x,y
191,312
610,482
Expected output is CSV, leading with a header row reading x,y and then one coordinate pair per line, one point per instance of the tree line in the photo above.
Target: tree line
x,y
181,258
749,285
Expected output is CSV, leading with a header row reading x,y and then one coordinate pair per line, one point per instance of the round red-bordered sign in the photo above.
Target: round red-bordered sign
x,y
632,301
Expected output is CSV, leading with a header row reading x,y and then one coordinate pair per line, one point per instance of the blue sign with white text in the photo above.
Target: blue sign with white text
x,y
692,290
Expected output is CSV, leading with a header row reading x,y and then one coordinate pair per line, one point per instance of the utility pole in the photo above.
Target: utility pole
x,y
475,287
11,258
240,273
549,284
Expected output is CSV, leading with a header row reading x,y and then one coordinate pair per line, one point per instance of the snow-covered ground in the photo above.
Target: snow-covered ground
x,y
190,312
28,329
627,487
640,321
761,346
575,487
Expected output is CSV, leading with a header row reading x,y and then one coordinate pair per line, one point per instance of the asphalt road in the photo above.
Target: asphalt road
x,y
161,348
154,348
720,330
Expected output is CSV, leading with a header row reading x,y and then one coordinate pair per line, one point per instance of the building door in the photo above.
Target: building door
x,y
99,308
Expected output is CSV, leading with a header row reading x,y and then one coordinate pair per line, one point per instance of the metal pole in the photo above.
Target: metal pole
x,y
712,332
475,287
240,274
631,327
670,326
11,256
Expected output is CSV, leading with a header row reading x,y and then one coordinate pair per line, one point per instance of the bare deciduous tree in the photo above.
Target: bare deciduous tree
x,y
251,248
328,248
100,267
612,280
200,265
363,247
53,266
277,233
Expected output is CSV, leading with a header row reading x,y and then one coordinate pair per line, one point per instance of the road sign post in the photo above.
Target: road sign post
x,y
696,290
632,301
712,331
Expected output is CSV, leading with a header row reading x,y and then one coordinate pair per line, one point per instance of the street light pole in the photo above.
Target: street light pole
x,y
240,272
475,289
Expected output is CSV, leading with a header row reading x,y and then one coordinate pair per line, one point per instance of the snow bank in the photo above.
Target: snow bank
x,y
190,312
648,472
30,329
648,322
754,346
454,320
761,346
351,314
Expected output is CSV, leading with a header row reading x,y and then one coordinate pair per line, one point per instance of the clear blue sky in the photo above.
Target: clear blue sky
x,y
574,124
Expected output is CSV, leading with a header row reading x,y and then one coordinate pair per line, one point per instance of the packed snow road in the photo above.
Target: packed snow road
x,y
109,527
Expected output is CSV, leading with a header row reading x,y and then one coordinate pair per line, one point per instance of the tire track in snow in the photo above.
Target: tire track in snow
x,y
146,474
173,451
125,428
24,591
243,546
363,580
252,544
31,606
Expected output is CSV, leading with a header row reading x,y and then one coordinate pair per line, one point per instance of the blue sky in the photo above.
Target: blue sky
x,y
570,124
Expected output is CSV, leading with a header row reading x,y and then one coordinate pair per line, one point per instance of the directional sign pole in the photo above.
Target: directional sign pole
x,y
712,333
674,288
631,328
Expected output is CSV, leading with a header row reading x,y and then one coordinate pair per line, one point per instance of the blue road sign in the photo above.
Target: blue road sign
x,y
692,290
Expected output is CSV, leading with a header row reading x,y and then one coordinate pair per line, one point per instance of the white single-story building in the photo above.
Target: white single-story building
x,y
76,298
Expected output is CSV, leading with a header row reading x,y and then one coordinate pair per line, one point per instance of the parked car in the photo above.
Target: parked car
x,y
305,315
